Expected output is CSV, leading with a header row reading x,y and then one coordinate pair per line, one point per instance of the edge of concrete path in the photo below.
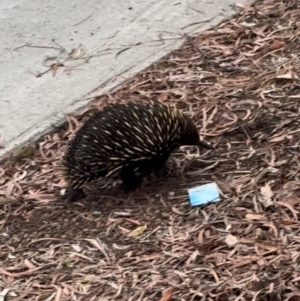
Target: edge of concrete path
x,y
50,125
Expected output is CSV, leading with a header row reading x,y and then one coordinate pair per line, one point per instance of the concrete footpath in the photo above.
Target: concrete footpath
x,y
112,40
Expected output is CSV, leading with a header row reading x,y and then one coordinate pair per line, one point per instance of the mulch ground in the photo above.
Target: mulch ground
x,y
239,82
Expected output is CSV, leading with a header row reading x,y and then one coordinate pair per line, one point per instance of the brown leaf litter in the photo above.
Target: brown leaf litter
x,y
240,82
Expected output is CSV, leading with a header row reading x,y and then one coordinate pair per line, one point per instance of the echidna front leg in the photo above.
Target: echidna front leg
x,y
160,169
131,180
75,195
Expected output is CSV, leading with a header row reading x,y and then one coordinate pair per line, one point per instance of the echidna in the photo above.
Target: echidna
x,y
127,140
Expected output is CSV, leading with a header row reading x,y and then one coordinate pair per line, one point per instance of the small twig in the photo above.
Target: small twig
x,y
83,20
60,47
123,50
29,45
198,11
196,23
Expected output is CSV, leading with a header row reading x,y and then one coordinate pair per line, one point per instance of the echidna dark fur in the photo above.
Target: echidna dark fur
x,y
129,140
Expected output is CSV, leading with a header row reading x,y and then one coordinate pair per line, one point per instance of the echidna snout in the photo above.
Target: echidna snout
x,y
190,135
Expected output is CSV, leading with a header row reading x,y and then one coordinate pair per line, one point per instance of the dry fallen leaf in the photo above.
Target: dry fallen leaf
x,y
163,97
266,195
256,217
277,44
280,138
136,222
287,76
123,229
231,240
267,246
138,231
167,294
54,68
288,222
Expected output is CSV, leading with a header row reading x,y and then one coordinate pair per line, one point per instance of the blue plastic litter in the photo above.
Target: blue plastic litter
x,y
204,194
